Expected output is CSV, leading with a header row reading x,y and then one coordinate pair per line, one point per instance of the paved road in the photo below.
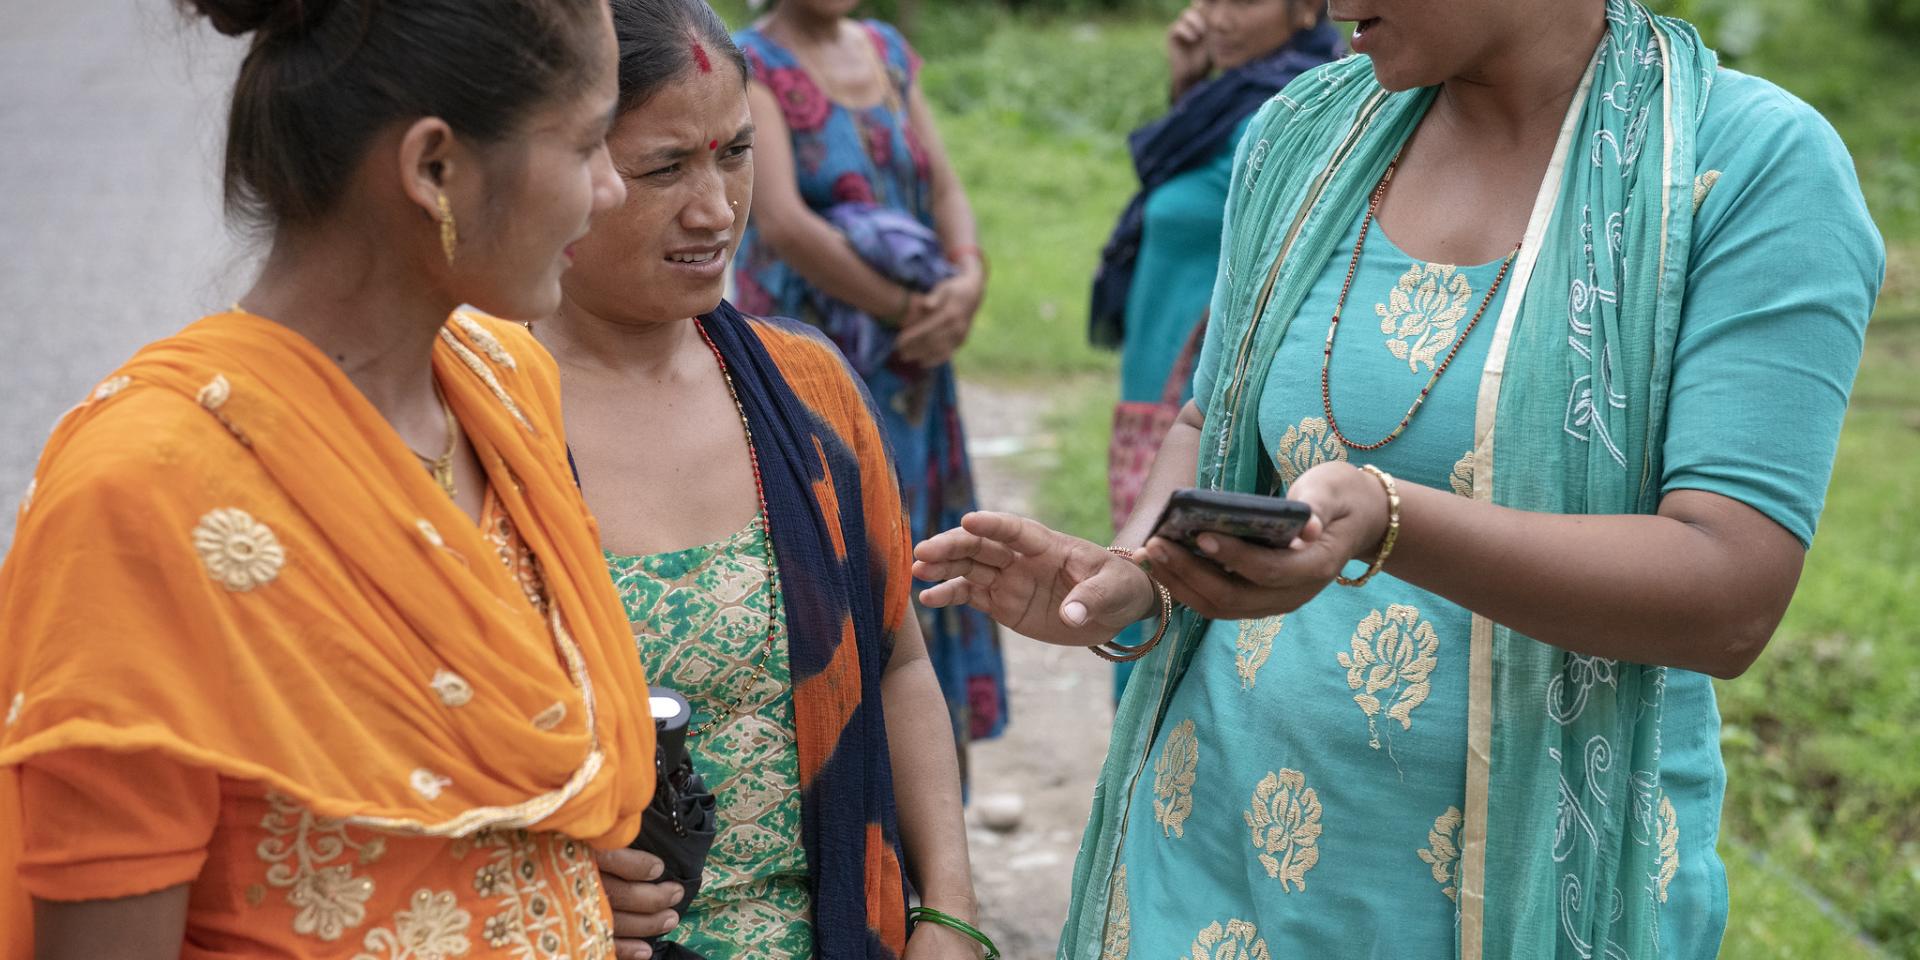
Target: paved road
x,y
112,114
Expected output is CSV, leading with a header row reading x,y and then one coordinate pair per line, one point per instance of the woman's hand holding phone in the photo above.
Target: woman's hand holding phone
x,y
1233,579
1033,579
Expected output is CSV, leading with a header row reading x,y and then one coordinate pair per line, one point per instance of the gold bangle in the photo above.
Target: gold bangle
x,y
1393,528
1113,652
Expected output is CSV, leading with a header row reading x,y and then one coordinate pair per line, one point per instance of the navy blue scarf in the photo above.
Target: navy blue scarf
x,y
815,459
1188,135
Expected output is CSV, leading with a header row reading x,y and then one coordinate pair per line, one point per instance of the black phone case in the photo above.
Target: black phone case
x,y
1267,521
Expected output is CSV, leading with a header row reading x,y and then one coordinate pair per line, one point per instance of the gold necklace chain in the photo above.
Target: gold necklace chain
x,y
1326,355
442,466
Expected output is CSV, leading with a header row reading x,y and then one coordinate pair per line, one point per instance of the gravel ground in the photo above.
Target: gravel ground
x,y
1060,717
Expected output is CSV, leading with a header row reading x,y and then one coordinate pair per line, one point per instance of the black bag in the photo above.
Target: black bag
x,y
678,826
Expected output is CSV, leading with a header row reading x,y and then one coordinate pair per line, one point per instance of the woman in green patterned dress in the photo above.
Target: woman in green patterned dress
x,y
691,428
1535,306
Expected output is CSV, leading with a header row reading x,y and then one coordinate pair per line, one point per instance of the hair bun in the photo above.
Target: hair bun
x,y
237,18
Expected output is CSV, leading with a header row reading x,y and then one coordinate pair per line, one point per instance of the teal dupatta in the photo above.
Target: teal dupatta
x,y
1561,840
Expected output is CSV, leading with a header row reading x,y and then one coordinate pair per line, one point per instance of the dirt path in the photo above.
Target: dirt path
x,y
1060,714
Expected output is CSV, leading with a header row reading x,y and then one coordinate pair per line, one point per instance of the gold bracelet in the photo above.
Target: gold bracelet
x,y
1393,528
1114,653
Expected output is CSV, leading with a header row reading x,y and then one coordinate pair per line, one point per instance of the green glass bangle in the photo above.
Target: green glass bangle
x,y
930,915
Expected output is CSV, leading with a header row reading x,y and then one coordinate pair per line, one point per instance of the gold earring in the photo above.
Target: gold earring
x,y
449,235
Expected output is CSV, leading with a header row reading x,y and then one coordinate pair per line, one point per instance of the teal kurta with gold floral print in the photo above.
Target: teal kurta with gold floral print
x,y
1304,793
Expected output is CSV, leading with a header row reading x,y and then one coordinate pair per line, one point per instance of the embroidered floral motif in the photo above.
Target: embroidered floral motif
x,y
13,708
433,928
550,717
428,784
452,689
1423,312
516,556
1461,480
535,918
1669,845
1116,942
1305,446
1238,940
1393,655
302,851
1442,852
214,395
1285,820
111,387
430,533
485,373
1254,645
485,340
1173,776
238,550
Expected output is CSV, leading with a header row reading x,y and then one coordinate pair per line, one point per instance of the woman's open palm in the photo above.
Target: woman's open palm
x,y
1035,580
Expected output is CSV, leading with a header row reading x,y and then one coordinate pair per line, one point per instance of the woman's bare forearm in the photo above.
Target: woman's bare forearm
x,y
926,778
1700,586
147,927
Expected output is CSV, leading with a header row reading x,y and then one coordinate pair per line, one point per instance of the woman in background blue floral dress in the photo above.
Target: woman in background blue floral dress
x,y
840,120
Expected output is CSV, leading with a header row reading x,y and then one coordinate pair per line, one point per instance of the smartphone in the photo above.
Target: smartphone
x,y
1267,521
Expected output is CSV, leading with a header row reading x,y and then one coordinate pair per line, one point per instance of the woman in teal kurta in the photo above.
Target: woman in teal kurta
x,y
1625,459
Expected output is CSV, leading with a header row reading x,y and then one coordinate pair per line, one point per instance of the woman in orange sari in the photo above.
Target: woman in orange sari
x,y
309,647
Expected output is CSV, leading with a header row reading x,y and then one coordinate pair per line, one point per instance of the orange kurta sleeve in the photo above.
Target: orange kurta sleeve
x,y
100,825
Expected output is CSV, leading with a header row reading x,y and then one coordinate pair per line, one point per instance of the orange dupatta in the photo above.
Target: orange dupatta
x,y
227,556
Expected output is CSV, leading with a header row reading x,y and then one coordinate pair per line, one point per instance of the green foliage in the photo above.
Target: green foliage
x,y
1015,77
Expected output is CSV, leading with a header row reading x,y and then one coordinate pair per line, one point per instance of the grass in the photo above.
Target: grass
x,y
1821,828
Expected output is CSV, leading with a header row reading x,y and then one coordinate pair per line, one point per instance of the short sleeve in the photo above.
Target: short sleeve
x,y
1786,267
99,825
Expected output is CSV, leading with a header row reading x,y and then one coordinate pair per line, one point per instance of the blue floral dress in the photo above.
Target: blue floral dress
x,y
871,155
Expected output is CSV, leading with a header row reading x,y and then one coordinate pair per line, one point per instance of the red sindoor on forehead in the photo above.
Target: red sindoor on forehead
x,y
713,144
700,58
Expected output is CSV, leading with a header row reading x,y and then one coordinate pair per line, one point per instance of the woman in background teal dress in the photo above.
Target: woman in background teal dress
x,y
1150,294
1591,308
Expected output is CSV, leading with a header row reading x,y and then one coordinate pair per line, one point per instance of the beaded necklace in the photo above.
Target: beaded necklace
x,y
773,582
1326,356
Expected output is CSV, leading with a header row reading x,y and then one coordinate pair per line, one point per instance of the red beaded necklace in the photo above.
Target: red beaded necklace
x,y
1326,357
765,520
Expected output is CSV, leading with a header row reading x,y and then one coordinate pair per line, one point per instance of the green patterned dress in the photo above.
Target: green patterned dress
x,y
701,620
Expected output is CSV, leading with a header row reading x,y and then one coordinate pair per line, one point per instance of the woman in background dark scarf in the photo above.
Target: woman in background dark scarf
x,y
1150,292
